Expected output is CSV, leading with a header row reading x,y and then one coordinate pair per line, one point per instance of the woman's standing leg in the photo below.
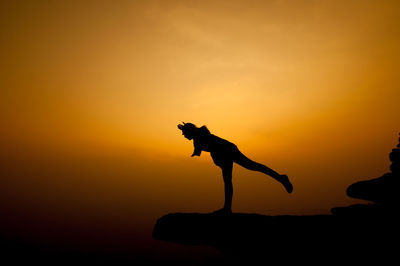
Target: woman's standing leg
x,y
227,175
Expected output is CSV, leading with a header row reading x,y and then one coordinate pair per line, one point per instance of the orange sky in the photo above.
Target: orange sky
x,y
92,91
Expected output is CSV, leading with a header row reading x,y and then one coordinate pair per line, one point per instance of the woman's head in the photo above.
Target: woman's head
x,y
188,130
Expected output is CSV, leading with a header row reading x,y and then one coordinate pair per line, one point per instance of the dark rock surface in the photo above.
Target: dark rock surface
x,y
237,230
383,190
291,237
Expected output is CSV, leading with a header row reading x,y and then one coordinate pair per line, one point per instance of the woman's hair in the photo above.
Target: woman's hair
x,y
192,128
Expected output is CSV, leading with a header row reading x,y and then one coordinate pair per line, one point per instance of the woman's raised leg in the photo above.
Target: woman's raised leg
x,y
245,162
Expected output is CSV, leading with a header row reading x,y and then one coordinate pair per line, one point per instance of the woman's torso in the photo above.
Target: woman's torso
x,y
212,143
221,150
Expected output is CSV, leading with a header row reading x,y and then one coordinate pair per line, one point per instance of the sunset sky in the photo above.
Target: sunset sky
x,y
92,92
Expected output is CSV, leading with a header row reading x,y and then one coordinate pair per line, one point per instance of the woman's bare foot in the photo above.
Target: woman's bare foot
x,y
223,211
286,183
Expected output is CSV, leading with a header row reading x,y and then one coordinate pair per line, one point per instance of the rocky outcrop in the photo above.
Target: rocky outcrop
x,y
291,238
237,230
383,190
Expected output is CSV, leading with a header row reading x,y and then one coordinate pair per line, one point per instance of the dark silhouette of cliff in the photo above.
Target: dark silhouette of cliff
x,y
253,236
358,233
382,190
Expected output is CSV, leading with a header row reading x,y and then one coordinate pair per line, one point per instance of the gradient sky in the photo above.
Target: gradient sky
x,y
92,91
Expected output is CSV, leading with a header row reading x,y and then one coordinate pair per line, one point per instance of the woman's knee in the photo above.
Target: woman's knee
x,y
228,182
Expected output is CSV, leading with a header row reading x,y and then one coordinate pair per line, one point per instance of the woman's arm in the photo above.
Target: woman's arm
x,y
197,148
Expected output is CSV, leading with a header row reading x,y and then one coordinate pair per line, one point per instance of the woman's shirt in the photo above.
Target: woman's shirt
x,y
206,141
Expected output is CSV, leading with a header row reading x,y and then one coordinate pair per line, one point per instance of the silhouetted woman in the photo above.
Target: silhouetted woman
x,y
224,154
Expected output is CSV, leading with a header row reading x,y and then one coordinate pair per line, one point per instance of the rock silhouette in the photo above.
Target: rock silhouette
x,y
256,237
382,190
357,233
